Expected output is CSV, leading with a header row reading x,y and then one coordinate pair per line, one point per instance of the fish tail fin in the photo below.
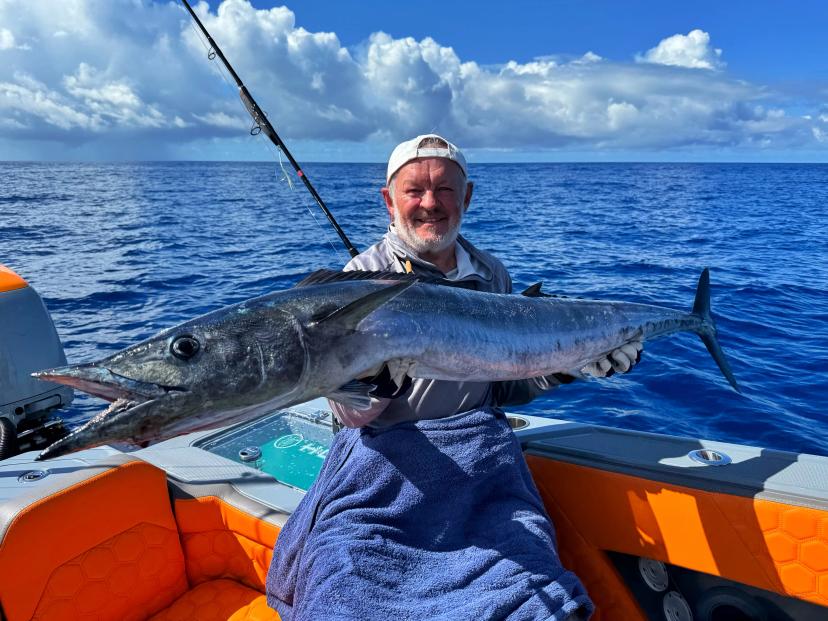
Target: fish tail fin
x,y
707,330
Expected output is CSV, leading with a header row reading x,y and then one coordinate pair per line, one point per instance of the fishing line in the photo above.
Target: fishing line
x,y
285,174
305,203
211,55
261,124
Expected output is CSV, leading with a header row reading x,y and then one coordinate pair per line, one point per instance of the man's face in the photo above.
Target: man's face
x,y
430,196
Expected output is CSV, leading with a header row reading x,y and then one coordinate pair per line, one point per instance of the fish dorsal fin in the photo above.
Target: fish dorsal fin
x,y
321,277
534,291
349,316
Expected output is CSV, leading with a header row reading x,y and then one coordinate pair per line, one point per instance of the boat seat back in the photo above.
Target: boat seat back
x,y
91,541
224,534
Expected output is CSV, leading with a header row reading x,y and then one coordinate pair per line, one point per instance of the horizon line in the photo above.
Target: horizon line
x,y
383,163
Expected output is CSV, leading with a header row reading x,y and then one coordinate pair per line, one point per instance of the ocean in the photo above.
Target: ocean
x,y
119,251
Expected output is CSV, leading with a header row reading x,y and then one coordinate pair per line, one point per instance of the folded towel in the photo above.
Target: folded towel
x,y
434,519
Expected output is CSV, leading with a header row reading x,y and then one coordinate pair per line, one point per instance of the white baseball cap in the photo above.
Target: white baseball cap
x,y
411,150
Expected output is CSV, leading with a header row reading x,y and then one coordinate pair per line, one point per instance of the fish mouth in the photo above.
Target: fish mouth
x,y
102,382
124,393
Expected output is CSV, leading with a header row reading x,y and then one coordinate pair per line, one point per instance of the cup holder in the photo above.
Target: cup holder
x,y
516,422
709,457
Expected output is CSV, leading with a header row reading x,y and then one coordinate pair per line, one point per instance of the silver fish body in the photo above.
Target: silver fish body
x,y
295,345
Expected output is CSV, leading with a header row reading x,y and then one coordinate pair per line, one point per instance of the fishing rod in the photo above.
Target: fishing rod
x,y
261,124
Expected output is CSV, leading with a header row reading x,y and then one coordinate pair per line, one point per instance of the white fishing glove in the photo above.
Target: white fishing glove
x,y
620,360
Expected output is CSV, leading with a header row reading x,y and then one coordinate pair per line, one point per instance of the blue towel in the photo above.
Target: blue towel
x,y
434,519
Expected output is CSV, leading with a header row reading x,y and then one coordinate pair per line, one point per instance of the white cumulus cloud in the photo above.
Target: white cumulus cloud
x,y
692,50
8,42
6,39
137,71
27,98
111,101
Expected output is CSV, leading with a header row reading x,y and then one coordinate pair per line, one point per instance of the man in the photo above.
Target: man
x,y
426,196
425,508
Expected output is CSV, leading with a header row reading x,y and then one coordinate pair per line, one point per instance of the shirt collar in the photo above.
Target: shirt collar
x,y
464,268
467,265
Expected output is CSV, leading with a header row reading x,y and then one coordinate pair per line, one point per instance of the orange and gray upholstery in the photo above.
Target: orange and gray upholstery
x,y
100,541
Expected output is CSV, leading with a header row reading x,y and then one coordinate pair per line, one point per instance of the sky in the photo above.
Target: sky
x,y
527,80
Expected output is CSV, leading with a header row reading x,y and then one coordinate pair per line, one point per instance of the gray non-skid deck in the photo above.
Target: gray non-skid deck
x,y
754,472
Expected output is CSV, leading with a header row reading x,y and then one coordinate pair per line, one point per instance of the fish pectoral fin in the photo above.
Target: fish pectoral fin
x,y
351,314
354,394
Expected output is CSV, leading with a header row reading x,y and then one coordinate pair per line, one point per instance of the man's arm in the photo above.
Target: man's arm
x,y
358,418
521,392
384,388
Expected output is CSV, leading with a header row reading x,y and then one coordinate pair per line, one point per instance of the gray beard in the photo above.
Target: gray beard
x,y
425,246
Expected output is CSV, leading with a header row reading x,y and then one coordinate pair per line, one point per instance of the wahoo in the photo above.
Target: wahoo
x,y
314,339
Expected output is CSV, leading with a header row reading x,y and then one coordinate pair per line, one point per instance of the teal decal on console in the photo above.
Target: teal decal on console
x,y
294,459
288,441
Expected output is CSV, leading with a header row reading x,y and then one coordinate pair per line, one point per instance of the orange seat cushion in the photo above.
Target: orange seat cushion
x,y
106,548
125,578
219,600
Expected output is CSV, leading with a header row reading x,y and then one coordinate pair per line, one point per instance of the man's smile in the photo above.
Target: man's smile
x,y
431,219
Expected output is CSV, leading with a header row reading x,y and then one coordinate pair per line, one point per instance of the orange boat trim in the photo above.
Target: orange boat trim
x,y
9,281
768,545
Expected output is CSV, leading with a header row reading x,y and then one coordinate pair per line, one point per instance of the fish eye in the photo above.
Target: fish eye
x,y
185,346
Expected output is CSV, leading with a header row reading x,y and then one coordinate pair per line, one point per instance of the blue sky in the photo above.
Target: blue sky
x,y
573,80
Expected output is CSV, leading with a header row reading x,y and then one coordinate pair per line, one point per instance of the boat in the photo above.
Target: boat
x,y
672,528
669,528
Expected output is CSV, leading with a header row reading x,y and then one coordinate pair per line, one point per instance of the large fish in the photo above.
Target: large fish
x,y
314,339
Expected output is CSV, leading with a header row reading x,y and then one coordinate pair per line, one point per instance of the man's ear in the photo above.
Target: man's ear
x,y
468,197
389,202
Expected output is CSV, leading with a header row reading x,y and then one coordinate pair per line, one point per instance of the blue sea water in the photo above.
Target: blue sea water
x,y
120,251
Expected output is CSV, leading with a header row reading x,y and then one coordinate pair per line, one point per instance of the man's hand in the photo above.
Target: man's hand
x,y
619,360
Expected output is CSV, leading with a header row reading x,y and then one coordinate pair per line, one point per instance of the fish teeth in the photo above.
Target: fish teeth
x,y
399,368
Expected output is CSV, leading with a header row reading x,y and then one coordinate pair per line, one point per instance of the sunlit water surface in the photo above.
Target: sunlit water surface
x,y
120,251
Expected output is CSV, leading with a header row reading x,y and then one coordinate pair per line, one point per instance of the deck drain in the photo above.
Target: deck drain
x,y
709,457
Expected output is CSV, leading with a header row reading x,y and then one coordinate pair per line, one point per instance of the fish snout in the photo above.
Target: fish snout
x,y
99,381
